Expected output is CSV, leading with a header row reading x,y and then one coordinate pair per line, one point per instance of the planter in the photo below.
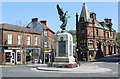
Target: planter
x,y
49,64
72,65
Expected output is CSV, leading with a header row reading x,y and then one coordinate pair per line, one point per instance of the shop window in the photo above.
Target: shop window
x,y
90,43
19,39
36,53
28,55
18,56
28,40
36,40
7,57
9,38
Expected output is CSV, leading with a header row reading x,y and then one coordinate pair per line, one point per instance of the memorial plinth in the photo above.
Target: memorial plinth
x,y
64,51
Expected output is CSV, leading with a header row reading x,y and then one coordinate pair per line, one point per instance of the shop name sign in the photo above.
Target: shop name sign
x,y
93,49
13,47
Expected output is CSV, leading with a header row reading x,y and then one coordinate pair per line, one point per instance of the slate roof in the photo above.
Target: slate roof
x,y
17,28
43,25
86,14
46,27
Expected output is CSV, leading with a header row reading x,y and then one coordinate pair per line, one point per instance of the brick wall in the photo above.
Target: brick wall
x,y
24,38
50,39
0,36
0,46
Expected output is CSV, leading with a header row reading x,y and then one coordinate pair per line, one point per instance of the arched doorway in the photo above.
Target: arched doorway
x,y
108,48
113,48
99,52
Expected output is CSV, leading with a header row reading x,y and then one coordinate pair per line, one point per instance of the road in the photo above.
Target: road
x,y
29,71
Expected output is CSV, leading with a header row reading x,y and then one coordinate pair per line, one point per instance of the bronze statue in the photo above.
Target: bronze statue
x,y
63,17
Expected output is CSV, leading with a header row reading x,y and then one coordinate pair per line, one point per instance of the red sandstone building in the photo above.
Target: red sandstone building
x,y
95,38
18,45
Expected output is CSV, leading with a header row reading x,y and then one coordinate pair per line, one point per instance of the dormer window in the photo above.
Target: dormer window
x,y
82,19
91,15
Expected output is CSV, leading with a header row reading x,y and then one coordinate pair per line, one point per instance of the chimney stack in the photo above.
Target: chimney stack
x,y
93,15
44,22
34,19
109,23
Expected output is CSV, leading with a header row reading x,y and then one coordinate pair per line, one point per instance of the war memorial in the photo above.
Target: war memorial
x,y
64,46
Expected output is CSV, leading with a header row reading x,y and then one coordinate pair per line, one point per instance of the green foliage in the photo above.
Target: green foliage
x,y
118,35
118,38
74,38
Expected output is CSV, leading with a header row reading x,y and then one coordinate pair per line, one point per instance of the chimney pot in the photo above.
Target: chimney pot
x,y
34,19
44,22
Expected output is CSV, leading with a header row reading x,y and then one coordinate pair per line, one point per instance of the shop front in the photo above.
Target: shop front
x,y
1,55
32,55
13,55
84,55
48,56
114,48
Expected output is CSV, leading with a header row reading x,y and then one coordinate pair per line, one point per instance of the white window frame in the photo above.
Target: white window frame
x,y
9,38
45,33
28,40
45,43
19,51
36,40
19,39
91,43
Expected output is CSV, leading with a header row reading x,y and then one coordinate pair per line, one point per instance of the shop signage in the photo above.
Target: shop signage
x,y
13,47
31,48
90,49
83,49
93,49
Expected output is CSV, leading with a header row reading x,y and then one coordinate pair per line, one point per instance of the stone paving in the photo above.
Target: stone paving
x,y
80,69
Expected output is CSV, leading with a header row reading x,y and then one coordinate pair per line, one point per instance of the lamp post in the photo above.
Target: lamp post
x,y
78,38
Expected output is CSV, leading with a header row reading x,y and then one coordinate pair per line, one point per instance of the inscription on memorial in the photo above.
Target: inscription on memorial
x,y
62,48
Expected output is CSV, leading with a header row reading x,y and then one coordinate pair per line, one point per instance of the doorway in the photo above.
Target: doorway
x,y
13,57
8,56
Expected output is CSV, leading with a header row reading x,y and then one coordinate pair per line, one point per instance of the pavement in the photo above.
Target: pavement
x,y
79,69
111,58
87,69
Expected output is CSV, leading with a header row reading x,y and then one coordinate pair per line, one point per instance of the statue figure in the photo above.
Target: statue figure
x,y
63,17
